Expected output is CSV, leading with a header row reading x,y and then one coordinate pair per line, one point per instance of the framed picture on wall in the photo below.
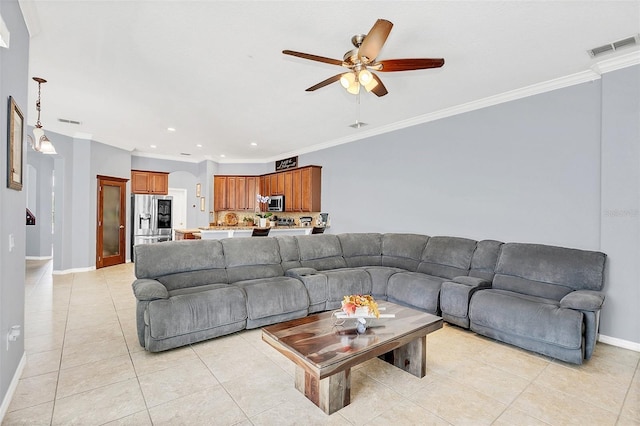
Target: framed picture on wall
x,y
14,149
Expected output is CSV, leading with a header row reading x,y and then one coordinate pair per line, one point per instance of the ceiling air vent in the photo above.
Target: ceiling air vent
x,y
64,120
616,45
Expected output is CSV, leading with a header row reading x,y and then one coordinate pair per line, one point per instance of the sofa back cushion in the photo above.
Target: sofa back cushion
x,y
485,257
289,252
361,249
320,251
251,258
403,250
548,271
447,257
173,257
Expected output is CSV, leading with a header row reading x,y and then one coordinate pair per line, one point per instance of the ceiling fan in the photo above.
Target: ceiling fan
x,y
362,60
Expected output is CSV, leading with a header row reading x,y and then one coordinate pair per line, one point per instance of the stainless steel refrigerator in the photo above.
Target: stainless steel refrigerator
x,y
151,219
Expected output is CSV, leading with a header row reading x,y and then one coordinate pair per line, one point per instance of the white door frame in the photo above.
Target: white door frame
x,y
179,209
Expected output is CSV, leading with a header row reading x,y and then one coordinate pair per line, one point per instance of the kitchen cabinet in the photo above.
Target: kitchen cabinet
x,y
306,190
146,182
301,188
234,192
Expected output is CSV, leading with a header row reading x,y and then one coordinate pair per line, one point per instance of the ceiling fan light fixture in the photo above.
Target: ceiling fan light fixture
x,y
365,77
370,85
347,79
354,88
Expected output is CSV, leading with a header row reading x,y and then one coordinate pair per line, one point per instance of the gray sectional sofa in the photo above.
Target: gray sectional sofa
x,y
542,298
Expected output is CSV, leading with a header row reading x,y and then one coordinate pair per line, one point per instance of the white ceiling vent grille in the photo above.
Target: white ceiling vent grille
x,y
616,45
64,120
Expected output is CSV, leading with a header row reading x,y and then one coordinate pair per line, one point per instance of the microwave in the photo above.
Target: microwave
x,y
276,203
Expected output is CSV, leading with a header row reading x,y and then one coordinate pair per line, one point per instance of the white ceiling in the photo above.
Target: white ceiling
x,y
214,70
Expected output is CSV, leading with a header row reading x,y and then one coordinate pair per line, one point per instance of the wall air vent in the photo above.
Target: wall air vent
x,y
616,45
185,154
64,120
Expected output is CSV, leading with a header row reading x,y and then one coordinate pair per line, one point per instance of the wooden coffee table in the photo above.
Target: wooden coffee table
x,y
324,353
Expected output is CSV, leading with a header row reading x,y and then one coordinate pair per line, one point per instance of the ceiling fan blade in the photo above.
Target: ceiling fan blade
x,y
324,83
374,41
313,57
379,90
390,65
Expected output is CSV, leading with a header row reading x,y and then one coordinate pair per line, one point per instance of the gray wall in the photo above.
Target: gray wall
x,y
620,221
14,67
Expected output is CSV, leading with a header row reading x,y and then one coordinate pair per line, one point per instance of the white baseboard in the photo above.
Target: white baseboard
x,y
74,270
625,344
12,387
39,257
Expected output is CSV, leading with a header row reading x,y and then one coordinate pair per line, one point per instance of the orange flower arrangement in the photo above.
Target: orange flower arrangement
x,y
354,301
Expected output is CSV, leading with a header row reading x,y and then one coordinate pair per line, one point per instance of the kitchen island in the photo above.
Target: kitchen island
x,y
218,232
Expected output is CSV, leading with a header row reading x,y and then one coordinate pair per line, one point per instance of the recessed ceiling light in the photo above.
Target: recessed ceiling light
x,y
171,129
153,146
254,143
199,145
222,155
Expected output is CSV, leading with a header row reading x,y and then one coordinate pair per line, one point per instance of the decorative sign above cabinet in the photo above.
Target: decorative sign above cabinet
x,y
287,163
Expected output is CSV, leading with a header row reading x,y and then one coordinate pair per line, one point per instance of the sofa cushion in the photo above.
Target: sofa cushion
x,y
447,257
344,282
289,252
321,251
189,313
537,319
403,250
415,289
155,260
380,279
194,278
361,249
548,271
485,257
251,258
267,297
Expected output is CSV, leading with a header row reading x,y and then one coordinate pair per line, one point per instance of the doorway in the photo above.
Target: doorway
x,y
179,209
111,221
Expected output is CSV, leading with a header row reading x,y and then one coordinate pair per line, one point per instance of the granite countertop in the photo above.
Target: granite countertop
x,y
248,228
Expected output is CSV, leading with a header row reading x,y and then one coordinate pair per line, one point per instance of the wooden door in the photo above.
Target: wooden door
x,y
111,221
139,182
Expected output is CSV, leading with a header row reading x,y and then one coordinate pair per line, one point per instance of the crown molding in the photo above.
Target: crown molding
x,y
619,62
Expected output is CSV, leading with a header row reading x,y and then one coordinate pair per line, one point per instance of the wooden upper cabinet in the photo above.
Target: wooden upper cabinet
x,y
253,185
146,182
265,185
234,192
220,201
300,187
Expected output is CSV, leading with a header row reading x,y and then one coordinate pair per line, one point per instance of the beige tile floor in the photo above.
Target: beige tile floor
x,y
85,366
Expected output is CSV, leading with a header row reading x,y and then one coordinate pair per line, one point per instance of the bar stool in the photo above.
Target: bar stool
x,y
260,232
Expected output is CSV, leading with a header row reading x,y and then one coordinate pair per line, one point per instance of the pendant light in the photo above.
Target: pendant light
x,y
40,142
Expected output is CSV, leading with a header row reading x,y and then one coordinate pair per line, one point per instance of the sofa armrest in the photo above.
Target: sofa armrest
x,y
583,300
300,272
472,281
146,289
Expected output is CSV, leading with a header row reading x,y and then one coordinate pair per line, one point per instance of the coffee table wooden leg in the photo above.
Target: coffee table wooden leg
x,y
330,394
411,357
